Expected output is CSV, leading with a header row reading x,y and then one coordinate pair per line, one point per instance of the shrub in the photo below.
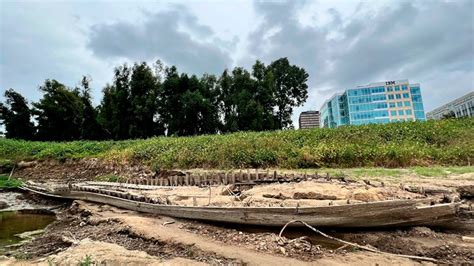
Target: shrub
x,y
444,142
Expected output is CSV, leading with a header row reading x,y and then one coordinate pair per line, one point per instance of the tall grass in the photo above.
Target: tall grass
x,y
445,142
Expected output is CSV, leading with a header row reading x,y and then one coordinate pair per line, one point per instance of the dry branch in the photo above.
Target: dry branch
x,y
354,244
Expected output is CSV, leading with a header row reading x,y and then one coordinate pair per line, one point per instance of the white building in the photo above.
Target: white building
x,y
461,107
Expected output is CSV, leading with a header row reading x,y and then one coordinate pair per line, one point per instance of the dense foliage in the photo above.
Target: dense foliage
x,y
15,115
443,142
145,101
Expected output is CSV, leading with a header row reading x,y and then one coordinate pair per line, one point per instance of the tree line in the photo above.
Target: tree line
x,y
144,101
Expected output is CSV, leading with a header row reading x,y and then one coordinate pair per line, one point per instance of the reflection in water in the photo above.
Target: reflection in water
x,y
16,222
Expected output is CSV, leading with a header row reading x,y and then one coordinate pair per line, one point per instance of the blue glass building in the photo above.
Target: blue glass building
x,y
380,102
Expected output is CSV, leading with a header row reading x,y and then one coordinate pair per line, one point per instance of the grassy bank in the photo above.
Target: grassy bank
x,y
446,142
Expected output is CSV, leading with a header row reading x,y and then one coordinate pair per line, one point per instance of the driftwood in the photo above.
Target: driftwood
x,y
468,239
427,190
11,173
354,244
313,195
277,196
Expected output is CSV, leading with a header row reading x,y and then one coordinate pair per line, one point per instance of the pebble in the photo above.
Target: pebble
x,y
283,250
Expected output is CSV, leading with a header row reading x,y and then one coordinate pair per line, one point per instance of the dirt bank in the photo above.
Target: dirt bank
x,y
93,169
80,169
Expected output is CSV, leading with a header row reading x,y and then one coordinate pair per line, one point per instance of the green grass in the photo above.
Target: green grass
x,y
374,173
437,171
396,145
86,261
9,183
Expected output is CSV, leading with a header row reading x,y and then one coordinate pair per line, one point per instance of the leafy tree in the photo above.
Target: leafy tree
x,y
90,127
15,115
144,93
264,96
227,103
106,111
247,100
291,89
200,106
59,112
115,110
170,101
144,101
240,99
209,122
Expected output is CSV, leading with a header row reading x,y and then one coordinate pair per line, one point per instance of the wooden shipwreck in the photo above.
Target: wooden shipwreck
x,y
388,213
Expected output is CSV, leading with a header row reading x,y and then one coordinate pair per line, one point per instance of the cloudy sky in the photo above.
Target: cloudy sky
x,y
341,43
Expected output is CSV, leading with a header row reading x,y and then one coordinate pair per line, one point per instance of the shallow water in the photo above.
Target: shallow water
x,y
13,223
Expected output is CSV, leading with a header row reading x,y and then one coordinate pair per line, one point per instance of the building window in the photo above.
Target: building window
x,y
418,106
390,97
408,112
392,105
399,104
415,90
397,88
406,95
378,89
400,112
380,97
389,88
393,113
398,96
420,115
404,87
406,103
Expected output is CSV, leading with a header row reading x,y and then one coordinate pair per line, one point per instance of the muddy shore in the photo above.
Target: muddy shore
x,y
83,227
107,235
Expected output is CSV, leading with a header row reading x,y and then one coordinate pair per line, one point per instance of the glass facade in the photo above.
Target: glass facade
x,y
460,107
381,102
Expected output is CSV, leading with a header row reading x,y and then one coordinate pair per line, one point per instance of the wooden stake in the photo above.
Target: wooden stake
x,y
209,203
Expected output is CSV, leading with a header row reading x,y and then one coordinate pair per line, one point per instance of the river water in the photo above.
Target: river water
x,y
20,221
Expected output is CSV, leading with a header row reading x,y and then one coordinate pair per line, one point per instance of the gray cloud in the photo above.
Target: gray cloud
x,y
430,42
413,40
174,36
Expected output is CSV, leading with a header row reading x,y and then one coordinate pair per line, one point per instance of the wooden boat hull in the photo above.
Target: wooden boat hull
x,y
373,214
